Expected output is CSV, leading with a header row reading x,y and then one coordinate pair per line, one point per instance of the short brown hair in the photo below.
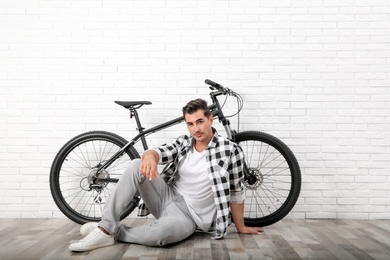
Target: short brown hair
x,y
195,105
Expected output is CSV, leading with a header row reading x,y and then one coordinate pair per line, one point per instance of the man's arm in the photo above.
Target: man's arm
x,y
237,194
238,217
148,167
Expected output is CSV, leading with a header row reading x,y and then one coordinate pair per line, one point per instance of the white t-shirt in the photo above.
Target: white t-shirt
x,y
193,183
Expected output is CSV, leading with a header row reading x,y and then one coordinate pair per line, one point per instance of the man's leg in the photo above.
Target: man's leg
x,y
173,219
119,200
114,207
173,225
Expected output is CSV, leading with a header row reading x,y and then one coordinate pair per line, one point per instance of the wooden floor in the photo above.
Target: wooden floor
x,y
289,239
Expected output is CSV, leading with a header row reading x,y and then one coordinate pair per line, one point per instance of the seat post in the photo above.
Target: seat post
x,y
140,128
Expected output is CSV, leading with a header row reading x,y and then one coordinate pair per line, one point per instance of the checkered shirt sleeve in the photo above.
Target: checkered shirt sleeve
x,y
170,151
226,162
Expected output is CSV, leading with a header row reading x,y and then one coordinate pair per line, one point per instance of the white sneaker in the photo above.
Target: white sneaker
x,y
88,228
95,239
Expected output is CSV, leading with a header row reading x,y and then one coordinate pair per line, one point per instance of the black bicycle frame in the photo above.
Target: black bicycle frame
x,y
214,108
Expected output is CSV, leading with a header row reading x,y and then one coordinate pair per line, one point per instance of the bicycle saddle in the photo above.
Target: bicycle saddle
x,y
133,104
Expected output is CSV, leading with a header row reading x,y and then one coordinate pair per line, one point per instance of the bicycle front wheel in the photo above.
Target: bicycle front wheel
x,y
78,189
274,182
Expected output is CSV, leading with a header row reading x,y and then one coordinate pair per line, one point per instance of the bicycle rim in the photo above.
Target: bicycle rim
x,y
75,189
276,187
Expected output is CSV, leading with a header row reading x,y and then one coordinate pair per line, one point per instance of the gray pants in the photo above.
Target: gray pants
x,y
173,219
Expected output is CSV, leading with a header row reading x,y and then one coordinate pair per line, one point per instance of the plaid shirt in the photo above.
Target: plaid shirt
x,y
225,161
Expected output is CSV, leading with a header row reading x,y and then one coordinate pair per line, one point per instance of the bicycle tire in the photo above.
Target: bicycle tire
x,y
278,178
72,171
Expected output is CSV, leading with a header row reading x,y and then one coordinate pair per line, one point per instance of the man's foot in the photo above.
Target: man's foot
x,y
94,240
88,228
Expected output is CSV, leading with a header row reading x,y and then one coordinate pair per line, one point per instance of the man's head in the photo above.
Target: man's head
x,y
199,120
195,105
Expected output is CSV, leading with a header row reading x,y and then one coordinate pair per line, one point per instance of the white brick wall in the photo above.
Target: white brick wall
x,y
314,73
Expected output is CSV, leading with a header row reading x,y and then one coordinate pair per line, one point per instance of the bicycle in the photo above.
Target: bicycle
x,y
86,168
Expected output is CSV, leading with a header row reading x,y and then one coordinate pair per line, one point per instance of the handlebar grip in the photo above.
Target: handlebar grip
x,y
212,83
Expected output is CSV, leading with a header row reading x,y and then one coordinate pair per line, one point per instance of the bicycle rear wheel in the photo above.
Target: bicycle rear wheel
x,y
275,185
77,189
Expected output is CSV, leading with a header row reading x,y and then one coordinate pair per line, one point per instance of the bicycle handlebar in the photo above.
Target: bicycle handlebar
x,y
224,91
219,87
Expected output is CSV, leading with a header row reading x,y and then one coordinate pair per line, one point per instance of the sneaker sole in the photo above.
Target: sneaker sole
x,y
76,248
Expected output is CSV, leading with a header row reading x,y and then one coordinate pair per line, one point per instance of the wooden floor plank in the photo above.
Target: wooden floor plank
x,y
289,239
186,249
330,241
219,250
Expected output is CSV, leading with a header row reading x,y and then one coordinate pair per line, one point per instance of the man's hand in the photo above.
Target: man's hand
x,y
250,230
148,167
238,217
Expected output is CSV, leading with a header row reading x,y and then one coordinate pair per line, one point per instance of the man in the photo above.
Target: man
x,y
208,180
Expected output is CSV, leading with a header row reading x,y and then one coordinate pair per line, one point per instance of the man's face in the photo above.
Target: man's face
x,y
199,126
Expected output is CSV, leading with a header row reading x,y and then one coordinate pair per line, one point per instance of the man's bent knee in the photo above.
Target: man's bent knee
x,y
133,171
